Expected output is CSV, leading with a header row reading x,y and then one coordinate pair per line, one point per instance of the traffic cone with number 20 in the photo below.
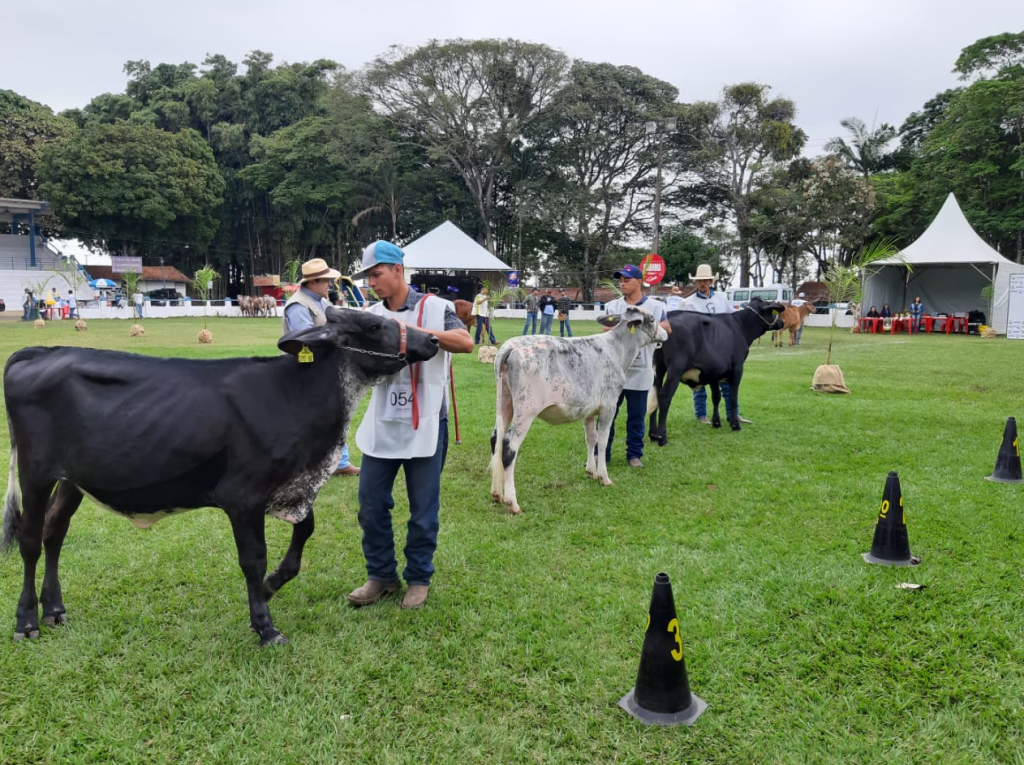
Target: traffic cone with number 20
x,y
662,694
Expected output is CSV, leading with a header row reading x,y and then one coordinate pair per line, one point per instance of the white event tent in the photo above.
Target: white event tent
x,y
950,265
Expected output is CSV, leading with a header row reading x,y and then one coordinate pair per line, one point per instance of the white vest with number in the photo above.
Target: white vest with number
x,y
386,430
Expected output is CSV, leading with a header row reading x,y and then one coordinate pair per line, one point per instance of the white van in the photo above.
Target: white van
x,y
770,293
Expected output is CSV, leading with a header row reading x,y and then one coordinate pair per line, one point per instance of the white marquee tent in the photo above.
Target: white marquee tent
x,y
950,265
447,248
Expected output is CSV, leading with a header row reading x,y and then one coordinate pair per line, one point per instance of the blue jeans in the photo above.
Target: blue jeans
x,y
344,461
636,414
480,321
531,317
700,400
545,323
563,327
423,485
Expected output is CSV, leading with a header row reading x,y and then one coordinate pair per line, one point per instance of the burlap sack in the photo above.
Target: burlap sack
x,y
136,330
205,336
486,354
81,326
989,332
828,378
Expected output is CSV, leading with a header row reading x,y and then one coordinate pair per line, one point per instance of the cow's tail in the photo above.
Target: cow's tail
x,y
12,505
652,400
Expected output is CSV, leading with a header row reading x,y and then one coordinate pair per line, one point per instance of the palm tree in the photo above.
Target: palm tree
x,y
866,152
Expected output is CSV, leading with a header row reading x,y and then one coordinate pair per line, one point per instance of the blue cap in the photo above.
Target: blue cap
x,y
382,252
630,272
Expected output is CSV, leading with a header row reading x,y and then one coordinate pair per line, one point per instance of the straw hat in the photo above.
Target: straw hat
x,y
676,290
704,272
317,268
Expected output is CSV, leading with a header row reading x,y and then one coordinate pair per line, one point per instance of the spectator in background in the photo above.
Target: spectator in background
x,y
139,301
72,305
916,311
886,312
872,313
547,312
563,305
799,301
674,302
27,305
532,304
482,311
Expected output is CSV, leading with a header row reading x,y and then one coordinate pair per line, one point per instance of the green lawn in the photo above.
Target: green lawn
x,y
804,653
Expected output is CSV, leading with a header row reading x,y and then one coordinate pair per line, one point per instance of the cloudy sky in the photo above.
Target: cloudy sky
x,y
872,59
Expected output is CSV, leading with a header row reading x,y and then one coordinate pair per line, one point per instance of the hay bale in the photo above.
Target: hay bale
x,y
828,378
39,324
486,354
205,336
989,332
136,331
81,326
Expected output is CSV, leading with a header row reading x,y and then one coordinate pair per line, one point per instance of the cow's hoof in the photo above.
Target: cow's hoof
x,y
31,635
736,427
514,509
662,442
55,620
496,498
606,481
716,424
274,638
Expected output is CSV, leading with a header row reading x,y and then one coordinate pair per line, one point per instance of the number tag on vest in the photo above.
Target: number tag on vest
x,y
398,401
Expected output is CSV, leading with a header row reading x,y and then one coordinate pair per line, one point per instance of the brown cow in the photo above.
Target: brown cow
x,y
464,310
793,320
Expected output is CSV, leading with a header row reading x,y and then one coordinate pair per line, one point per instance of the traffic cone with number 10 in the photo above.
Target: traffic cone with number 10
x,y
1008,462
662,694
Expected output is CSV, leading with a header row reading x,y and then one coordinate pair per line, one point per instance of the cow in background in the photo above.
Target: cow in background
x,y
703,349
253,436
793,318
563,380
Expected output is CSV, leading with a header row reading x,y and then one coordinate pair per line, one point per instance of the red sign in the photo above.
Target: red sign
x,y
653,267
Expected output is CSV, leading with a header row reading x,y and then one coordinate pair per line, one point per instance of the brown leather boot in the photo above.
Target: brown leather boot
x,y
415,596
372,591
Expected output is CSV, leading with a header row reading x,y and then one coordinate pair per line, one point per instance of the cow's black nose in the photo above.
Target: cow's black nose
x,y
434,340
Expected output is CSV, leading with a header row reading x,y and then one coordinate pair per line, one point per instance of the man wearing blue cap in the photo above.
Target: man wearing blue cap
x,y
405,426
640,375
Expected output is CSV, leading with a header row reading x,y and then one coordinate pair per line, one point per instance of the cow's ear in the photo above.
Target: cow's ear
x,y
609,320
294,342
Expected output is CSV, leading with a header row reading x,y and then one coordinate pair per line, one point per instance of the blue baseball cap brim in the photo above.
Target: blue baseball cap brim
x,y
630,272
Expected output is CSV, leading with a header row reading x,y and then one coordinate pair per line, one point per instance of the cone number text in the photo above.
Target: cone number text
x,y
673,627
884,510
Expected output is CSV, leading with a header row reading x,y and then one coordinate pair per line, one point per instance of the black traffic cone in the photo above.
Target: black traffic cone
x,y
1008,462
662,695
891,546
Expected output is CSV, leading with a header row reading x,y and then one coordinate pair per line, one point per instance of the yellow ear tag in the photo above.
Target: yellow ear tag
x,y
632,328
305,355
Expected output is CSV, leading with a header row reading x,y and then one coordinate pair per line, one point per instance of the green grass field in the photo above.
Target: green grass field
x,y
533,631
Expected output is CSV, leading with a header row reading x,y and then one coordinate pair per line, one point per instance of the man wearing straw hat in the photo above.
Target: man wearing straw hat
x,y
674,302
706,300
405,426
307,309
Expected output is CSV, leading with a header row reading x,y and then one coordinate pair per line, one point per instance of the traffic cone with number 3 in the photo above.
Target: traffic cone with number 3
x,y
891,545
662,694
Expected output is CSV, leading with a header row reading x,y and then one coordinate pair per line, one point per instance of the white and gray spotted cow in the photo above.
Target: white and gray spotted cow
x,y
563,380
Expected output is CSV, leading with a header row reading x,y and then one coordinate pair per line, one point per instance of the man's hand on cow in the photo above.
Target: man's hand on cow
x,y
666,326
451,340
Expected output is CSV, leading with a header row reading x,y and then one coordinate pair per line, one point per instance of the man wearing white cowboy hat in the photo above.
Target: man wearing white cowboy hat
x,y
405,427
706,300
306,309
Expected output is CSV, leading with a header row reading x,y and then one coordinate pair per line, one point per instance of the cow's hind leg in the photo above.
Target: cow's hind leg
x,y
63,504
510,444
250,538
716,398
590,430
502,417
34,500
290,564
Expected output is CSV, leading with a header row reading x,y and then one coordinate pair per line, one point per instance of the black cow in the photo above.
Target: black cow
x,y
703,349
255,437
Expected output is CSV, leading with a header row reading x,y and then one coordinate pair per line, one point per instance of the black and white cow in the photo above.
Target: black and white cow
x,y
562,380
253,436
704,349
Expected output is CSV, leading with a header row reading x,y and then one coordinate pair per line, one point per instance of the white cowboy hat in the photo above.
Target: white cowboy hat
x,y
704,272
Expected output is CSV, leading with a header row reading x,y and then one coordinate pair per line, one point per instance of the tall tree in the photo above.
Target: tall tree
x,y
867,151
601,161
26,129
732,147
133,188
468,101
